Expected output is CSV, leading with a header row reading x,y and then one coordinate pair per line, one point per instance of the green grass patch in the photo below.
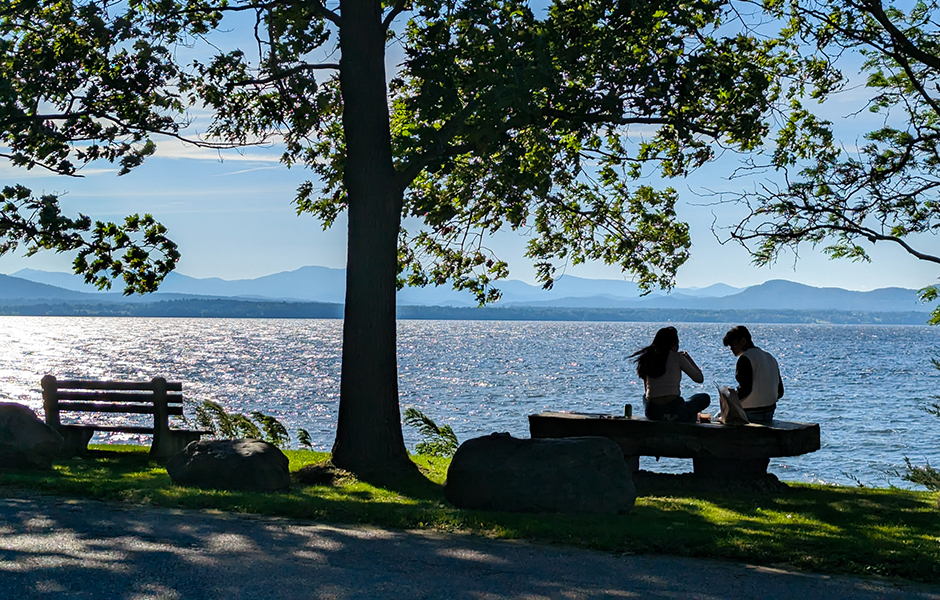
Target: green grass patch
x,y
887,532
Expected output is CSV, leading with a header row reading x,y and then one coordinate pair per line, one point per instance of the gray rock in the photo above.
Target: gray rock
x,y
577,474
25,441
243,465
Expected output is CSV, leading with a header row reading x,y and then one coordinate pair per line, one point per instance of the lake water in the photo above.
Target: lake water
x,y
865,385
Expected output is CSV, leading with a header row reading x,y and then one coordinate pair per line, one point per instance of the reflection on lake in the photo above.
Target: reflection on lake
x,y
864,384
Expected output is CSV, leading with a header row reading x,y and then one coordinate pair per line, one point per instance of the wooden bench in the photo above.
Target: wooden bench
x,y
156,397
735,452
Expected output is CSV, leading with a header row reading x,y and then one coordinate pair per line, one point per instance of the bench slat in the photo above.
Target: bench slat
x,y
115,428
77,384
126,428
115,397
172,409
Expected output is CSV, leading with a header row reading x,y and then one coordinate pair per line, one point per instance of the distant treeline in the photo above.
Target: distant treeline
x,y
648,315
246,309
229,309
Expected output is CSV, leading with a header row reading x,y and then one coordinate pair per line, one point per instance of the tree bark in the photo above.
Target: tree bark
x,y
369,436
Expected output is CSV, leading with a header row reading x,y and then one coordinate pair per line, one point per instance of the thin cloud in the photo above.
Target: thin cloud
x,y
195,194
248,171
186,152
98,171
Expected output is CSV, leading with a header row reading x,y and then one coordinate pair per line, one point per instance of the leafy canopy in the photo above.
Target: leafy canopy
x,y
505,114
886,189
81,82
507,117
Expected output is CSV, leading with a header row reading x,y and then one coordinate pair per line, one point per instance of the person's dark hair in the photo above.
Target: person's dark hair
x,y
651,360
738,332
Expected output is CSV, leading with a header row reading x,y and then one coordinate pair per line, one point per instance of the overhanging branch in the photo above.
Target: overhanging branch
x,y
876,10
400,7
287,73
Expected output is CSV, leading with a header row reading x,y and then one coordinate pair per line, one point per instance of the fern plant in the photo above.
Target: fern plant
x,y
926,475
303,438
212,417
274,430
435,441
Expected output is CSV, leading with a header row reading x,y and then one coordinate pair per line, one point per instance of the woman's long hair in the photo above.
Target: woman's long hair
x,y
651,360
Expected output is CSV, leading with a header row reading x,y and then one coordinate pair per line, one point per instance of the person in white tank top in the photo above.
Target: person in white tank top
x,y
757,374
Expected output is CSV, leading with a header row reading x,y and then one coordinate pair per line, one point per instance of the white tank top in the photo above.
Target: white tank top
x,y
766,379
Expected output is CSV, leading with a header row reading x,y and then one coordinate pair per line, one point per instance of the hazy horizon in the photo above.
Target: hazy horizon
x,y
7,271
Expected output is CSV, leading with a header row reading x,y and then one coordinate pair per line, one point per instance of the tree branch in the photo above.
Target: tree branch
x,y
912,77
399,8
287,73
33,163
323,11
607,118
865,232
876,10
319,9
443,151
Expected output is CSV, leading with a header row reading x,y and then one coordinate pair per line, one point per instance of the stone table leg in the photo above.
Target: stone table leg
x,y
633,462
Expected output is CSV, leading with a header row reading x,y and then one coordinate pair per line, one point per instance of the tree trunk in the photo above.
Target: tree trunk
x,y
368,436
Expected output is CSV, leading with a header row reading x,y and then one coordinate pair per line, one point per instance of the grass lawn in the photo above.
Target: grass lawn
x,y
862,531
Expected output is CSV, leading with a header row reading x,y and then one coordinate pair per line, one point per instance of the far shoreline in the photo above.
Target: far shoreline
x,y
249,309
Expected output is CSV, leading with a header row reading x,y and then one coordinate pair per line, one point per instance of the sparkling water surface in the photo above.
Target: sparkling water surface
x,y
866,385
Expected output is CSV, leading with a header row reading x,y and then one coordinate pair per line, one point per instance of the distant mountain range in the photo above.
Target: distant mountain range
x,y
322,284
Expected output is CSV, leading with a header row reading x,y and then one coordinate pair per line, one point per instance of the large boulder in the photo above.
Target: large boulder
x,y
243,465
25,441
578,474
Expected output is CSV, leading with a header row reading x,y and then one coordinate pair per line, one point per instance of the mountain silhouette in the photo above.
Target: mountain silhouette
x,y
323,284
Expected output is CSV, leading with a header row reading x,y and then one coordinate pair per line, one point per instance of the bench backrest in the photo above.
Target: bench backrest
x,y
157,397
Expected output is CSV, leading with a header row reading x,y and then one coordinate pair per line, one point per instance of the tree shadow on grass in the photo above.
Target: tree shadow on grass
x,y
860,530
412,483
319,491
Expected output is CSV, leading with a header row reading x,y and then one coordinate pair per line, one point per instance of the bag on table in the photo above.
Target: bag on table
x,y
732,413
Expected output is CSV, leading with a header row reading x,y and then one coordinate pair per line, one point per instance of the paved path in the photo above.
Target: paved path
x,y
55,548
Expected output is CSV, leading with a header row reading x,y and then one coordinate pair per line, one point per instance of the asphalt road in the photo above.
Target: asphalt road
x,y
55,548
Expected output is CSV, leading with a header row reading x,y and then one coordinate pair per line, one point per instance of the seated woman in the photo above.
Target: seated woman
x,y
660,365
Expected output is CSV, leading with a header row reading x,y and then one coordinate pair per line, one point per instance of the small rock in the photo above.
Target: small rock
x,y
577,474
25,441
242,465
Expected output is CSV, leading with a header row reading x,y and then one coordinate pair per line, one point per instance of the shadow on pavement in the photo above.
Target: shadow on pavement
x,y
52,548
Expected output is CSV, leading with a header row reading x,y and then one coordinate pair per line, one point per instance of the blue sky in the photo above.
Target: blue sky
x,y
231,214
233,218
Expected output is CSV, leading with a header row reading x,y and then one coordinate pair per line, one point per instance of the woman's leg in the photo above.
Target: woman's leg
x,y
668,411
699,401
693,406
654,412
